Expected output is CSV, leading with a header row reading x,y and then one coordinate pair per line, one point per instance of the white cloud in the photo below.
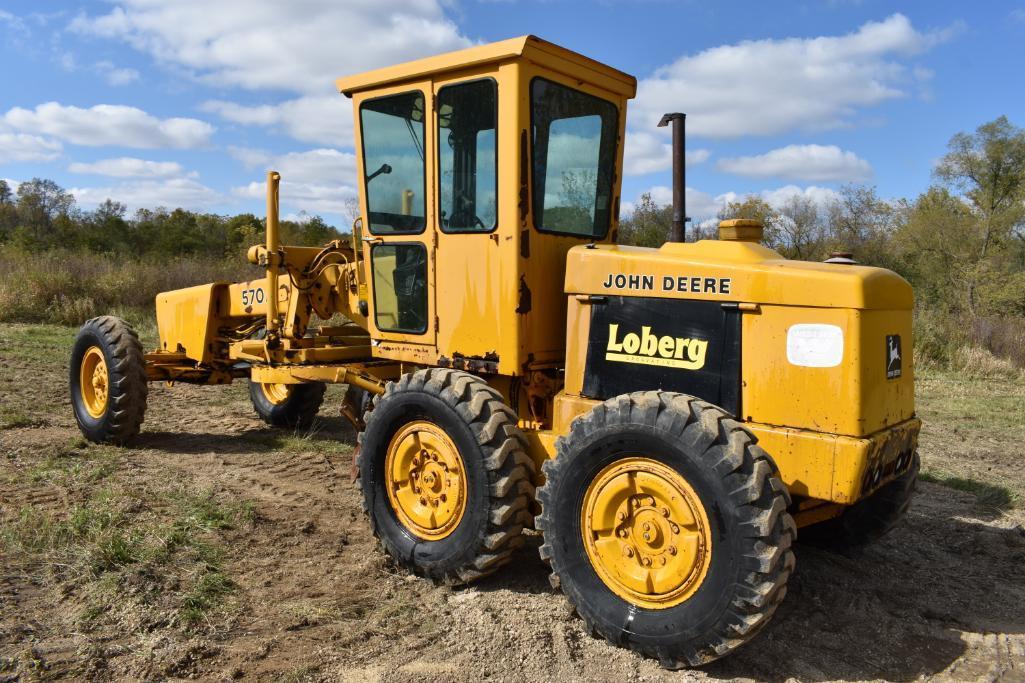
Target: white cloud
x,y
15,24
771,86
324,120
323,166
817,163
299,46
778,197
185,193
317,180
109,124
311,197
115,75
700,204
703,207
23,147
648,153
130,167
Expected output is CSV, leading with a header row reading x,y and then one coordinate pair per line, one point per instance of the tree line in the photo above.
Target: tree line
x,y
961,243
42,216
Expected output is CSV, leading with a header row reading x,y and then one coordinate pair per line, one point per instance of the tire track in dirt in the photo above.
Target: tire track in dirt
x,y
941,597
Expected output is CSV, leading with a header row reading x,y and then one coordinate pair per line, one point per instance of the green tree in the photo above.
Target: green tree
x,y
988,168
40,203
8,212
758,209
801,230
649,224
936,244
104,229
858,221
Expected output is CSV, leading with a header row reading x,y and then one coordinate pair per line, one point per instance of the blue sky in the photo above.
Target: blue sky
x,y
186,103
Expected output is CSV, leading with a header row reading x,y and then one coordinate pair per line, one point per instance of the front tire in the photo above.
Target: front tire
x,y
107,380
446,479
666,527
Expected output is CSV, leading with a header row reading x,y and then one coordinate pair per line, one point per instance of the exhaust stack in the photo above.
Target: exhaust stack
x,y
680,218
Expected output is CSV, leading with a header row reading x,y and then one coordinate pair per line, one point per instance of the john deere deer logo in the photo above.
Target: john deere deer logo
x,y
649,349
893,356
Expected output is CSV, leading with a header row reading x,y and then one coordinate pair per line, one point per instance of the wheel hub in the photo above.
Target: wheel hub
x,y
94,382
425,480
276,393
646,532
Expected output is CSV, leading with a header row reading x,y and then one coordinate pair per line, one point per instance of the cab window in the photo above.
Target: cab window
x,y
467,166
393,162
400,287
574,154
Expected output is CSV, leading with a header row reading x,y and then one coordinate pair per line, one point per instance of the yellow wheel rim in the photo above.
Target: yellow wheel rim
x,y
276,393
426,480
93,381
646,533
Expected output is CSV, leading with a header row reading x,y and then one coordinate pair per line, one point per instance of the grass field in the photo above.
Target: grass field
x,y
217,548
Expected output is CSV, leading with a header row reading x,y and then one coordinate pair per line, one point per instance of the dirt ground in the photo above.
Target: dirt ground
x,y
224,550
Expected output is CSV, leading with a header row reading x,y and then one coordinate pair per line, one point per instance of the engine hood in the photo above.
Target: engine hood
x,y
722,270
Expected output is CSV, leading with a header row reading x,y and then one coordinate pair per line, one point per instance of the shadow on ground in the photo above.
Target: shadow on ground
x,y
325,431
896,610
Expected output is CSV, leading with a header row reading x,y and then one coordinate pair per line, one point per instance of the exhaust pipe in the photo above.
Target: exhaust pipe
x,y
680,218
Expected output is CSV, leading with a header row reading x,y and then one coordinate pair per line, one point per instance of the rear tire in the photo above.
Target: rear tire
x,y
869,519
287,405
464,427
108,382
715,557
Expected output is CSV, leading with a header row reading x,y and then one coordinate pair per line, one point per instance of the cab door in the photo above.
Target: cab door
x,y
395,138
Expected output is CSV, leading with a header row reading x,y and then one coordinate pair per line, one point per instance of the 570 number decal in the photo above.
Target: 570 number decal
x,y
252,296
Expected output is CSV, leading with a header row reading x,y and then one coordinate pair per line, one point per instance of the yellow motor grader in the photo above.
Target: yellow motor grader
x,y
665,419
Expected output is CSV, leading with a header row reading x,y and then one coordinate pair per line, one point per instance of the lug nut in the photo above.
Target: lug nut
x,y
628,551
672,550
662,560
665,512
646,561
647,537
622,533
621,516
423,501
444,498
675,528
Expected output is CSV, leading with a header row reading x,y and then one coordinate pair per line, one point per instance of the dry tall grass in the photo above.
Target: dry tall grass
x,y
69,288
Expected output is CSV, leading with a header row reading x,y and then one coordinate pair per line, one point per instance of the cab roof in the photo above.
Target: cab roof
x,y
531,48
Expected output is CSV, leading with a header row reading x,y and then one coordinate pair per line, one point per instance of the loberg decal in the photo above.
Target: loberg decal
x,y
650,349
687,346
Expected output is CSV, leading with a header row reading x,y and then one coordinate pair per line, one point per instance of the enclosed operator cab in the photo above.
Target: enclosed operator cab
x,y
479,170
